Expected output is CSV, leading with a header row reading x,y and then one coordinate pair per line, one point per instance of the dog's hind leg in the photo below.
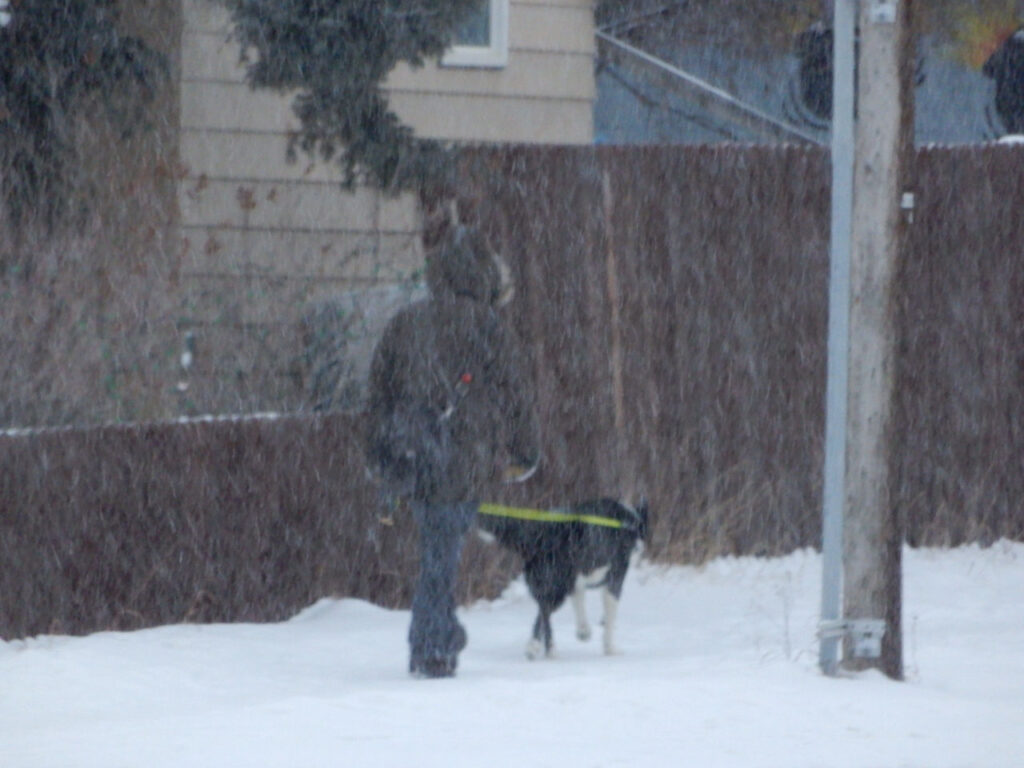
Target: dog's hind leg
x,y
579,607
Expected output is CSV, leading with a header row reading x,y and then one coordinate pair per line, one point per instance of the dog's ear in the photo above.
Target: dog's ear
x,y
641,512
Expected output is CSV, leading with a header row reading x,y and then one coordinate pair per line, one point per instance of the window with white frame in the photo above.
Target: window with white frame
x,y
482,41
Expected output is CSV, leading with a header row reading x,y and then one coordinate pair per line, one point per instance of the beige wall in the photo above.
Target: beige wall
x,y
266,242
544,95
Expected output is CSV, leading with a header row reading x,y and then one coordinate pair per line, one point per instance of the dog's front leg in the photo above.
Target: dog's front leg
x,y
611,609
541,644
579,607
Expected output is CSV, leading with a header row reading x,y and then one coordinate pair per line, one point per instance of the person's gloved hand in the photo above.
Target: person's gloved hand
x,y
519,472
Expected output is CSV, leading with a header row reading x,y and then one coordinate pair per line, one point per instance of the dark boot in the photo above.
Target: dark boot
x,y
433,667
441,665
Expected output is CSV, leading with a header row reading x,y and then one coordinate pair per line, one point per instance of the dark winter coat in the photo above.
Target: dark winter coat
x,y
451,403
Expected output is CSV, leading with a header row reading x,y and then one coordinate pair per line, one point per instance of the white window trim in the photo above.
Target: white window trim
x,y
494,55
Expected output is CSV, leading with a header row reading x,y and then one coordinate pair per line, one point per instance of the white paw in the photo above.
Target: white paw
x,y
534,649
610,649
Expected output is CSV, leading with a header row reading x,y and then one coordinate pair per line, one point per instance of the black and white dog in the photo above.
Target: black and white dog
x,y
589,547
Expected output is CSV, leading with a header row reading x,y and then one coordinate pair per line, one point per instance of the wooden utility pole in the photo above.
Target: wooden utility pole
x,y
882,207
872,204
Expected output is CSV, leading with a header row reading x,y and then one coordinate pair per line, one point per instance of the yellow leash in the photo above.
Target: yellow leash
x,y
548,515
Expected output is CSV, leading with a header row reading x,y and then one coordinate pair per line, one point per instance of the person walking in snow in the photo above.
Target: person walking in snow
x,y
449,406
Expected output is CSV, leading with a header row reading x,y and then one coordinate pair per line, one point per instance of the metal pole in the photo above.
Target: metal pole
x,y
844,24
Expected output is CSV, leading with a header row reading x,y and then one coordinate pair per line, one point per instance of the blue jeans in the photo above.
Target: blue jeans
x,y
435,632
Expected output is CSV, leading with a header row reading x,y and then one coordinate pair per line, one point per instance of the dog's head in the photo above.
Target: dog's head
x,y
641,515
634,517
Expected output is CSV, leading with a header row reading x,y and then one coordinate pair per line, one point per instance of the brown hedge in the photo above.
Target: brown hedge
x,y
125,527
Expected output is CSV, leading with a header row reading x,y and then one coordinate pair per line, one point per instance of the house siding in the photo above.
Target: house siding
x,y
544,95
266,241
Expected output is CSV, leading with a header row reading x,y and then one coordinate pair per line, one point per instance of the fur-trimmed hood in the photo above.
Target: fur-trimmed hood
x,y
465,265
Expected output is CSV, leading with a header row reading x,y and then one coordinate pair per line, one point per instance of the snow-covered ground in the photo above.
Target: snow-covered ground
x,y
718,669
